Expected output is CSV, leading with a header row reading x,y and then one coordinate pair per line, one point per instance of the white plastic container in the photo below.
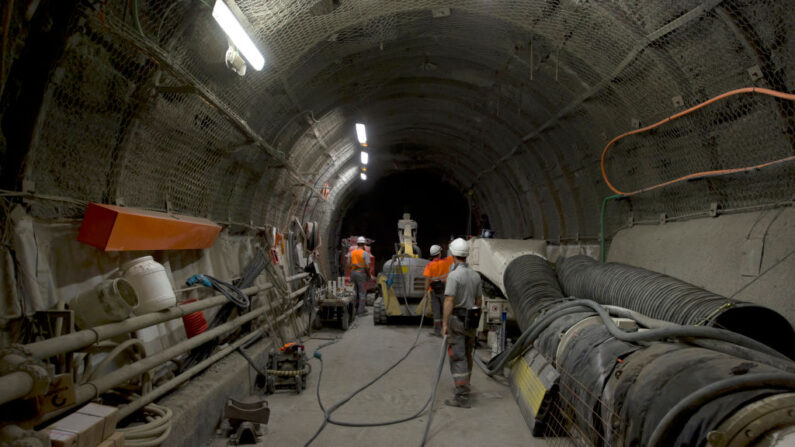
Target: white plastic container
x,y
112,300
150,281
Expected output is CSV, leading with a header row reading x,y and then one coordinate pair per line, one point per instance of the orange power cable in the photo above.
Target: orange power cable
x,y
702,174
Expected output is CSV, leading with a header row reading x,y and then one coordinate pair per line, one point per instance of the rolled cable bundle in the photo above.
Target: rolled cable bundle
x,y
235,295
153,432
232,293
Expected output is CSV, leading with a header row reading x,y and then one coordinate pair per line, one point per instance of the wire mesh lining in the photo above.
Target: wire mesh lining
x,y
571,425
547,69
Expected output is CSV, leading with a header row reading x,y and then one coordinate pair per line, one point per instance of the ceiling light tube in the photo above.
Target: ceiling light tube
x,y
365,157
232,24
363,176
361,134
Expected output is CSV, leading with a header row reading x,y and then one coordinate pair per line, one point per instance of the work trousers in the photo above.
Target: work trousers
x,y
358,278
437,298
460,345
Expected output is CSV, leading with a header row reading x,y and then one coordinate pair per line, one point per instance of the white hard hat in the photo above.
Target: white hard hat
x,y
460,248
435,250
361,240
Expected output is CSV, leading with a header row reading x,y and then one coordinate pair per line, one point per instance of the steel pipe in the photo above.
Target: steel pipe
x,y
299,291
77,340
90,390
297,276
160,391
15,386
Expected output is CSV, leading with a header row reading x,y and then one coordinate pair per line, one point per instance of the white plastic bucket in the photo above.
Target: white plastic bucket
x,y
150,281
112,300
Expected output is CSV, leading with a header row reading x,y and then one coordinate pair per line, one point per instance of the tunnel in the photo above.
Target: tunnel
x,y
183,184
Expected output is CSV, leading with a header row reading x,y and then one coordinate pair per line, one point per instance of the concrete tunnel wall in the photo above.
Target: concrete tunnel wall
x,y
514,100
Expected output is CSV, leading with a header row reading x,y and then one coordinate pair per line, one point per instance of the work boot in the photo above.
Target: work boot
x,y
363,313
435,334
458,402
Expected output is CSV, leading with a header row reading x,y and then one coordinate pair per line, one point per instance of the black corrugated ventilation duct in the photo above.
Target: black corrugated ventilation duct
x,y
530,285
666,298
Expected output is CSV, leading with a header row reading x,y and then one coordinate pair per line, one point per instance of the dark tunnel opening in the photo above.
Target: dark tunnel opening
x,y
439,208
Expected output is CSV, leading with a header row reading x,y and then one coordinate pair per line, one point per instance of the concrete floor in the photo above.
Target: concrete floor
x,y
363,352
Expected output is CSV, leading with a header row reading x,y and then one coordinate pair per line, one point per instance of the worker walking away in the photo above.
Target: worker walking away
x,y
462,293
359,262
435,277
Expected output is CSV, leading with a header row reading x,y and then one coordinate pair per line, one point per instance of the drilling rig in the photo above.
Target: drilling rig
x,y
400,282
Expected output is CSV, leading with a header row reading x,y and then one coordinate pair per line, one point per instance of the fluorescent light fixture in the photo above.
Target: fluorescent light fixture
x,y
363,176
237,34
365,157
361,134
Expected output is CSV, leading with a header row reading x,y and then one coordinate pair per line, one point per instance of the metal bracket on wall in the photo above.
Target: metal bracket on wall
x,y
713,209
678,101
755,73
28,186
631,220
663,218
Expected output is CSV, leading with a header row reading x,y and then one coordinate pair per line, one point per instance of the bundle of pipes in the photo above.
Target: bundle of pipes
x,y
663,297
671,384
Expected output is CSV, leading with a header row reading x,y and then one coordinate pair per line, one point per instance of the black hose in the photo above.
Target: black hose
x,y
665,298
496,364
676,332
531,285
232,293
433,393
327,412
250,273
685,407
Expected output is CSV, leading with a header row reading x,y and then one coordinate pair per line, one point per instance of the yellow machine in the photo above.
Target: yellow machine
x,y
401,284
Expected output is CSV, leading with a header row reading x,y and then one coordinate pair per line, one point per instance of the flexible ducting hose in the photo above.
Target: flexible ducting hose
x,y
531,285
665,298
496,364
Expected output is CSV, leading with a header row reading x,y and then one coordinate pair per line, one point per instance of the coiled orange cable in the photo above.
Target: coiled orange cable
x,y
702,174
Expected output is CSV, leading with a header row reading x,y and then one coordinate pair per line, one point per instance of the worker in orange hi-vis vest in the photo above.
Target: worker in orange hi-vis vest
x,y
435,276
359,264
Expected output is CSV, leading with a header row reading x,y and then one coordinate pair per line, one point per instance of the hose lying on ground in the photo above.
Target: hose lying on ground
x,y
327,419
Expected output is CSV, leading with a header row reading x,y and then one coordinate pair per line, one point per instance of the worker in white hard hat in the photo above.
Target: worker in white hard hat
x,y
462,292
435,276
359,264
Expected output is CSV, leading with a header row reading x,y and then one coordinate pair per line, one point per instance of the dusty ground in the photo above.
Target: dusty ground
x,y
364,351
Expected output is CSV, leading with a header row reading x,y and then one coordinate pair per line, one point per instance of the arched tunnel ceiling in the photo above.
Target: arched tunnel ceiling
x,y
512,100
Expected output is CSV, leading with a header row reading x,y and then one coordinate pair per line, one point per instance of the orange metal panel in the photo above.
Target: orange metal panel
x,y
116,228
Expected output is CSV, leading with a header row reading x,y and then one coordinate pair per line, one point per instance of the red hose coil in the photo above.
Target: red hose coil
x,y
195,323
